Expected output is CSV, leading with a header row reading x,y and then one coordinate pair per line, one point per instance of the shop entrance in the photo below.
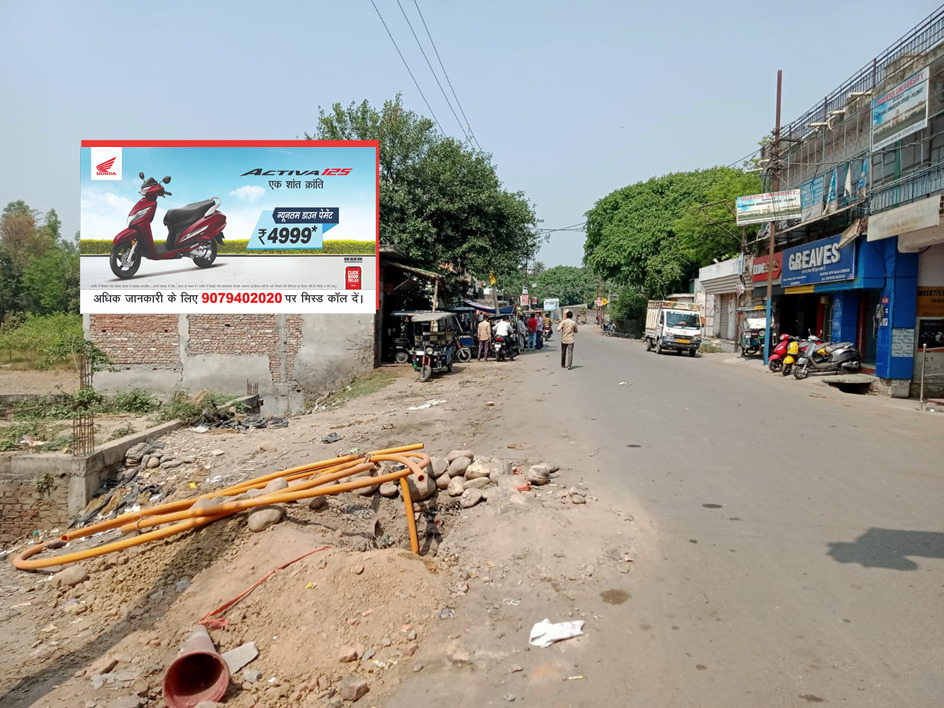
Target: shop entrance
x,y
869,322
802,314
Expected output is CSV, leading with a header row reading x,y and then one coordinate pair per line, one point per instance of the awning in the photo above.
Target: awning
x,y
721,286
781,232
854,230
916,217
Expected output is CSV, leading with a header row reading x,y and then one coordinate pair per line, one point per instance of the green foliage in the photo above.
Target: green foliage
x,y
39,272
134,401
637,235
100,247
440,201
182,407
629,305
574,286
121,432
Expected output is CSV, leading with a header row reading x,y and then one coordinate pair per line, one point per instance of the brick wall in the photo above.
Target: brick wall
x,y
24,508
246,334
137,339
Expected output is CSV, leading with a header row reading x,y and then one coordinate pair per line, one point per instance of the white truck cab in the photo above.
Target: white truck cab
x,y
673,325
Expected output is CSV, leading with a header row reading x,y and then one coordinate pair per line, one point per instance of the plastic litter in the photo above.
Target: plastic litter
x,y
545,632
428,404
446,613
331,438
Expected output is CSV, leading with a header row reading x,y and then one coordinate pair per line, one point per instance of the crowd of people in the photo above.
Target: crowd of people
x,y
527,333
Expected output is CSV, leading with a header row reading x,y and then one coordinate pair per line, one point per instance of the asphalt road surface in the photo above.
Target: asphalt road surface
x,y
797,551
324,272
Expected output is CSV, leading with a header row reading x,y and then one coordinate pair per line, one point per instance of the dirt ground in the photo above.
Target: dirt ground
x,y
38,382
484,575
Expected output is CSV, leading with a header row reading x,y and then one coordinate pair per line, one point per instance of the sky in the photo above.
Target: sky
x,y
572,99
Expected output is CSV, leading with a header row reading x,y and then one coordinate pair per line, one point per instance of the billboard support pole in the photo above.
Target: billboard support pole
x,y
774,157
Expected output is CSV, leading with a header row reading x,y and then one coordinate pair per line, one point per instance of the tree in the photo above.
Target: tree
x,y
572,285
440,201
51,281
636,236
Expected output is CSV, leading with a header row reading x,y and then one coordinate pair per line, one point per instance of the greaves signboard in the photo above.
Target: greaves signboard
x,y
818,262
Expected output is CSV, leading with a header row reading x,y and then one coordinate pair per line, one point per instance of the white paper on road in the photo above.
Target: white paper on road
x,y
545,632
428,404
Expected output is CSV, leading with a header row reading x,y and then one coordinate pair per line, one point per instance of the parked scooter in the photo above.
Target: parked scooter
x,y
775,360
826,357
193,231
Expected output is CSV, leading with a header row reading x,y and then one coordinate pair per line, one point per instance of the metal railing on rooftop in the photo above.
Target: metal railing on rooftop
x,y
922,38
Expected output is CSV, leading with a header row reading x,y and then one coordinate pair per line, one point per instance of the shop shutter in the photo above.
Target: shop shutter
x,y
722,312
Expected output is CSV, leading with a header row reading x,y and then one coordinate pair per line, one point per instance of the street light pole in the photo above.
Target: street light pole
x,y
774,160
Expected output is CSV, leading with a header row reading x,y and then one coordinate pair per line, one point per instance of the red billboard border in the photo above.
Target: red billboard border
x,y
271,143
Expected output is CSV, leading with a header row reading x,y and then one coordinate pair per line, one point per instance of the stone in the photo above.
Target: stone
x,y
551,467
541,469
386,642
153,461
352,688
509,698
348,654
126,702
182,584
102,665
136,452
318,502
578,499
389,489
459,657
251,675
422,486
458,466
437,466
443,482
409,649
170,464
470,497
209,704
537,474
518,499
263,517
240,656
477,483
73,575
479,468
363,491
206,503
456,487
217,453
493,493
276,485
459,453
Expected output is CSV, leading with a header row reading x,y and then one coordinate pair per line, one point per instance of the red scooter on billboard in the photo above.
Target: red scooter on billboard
x,y
193,231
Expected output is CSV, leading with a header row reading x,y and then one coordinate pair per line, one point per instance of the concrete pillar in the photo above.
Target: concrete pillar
x,y
901,289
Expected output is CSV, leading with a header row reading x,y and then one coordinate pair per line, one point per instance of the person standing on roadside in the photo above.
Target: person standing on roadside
x,y
485,338
568,329
532,331
540,330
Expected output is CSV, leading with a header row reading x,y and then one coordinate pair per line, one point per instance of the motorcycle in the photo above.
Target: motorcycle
x,y
502,348
775,360
548,333
609,329
825,357
193,232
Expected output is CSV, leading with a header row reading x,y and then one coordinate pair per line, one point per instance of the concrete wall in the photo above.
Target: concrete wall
x,y
33,494
288,356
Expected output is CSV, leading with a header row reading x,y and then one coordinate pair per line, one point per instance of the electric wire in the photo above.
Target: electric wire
x,y
415,83
446,74
432,71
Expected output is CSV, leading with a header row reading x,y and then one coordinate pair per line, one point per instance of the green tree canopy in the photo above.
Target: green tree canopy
x,y
651,236
574,286
440,201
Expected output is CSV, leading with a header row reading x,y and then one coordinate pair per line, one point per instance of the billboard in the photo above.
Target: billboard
x,y
236,227
811,198
771,206
901,111
551,303
759,268
821,261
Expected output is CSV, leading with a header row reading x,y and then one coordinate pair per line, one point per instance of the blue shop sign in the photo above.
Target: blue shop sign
x,y
818,262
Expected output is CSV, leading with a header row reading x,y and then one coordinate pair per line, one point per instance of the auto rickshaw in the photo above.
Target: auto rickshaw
x,y
434,342
753,330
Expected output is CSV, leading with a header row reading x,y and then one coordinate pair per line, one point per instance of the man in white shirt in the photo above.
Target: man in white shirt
x,y
505,330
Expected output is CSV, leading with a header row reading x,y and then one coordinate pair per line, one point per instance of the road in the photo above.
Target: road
x,y
791,537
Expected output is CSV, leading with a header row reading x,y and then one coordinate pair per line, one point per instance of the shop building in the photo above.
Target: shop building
x,y
722,287
869,164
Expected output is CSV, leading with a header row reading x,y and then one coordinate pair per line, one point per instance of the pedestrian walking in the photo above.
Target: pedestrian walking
x,y
485,338
540,331
568,329
532,332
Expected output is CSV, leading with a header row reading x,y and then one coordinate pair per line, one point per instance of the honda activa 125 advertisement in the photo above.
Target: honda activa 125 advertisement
x,y
251,227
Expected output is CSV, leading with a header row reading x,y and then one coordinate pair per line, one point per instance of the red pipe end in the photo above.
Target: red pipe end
x,y
195,677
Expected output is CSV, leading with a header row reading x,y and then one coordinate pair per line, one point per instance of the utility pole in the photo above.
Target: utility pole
x,y
775,161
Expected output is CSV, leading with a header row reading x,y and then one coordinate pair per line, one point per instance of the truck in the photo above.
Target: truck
x,y
673,325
